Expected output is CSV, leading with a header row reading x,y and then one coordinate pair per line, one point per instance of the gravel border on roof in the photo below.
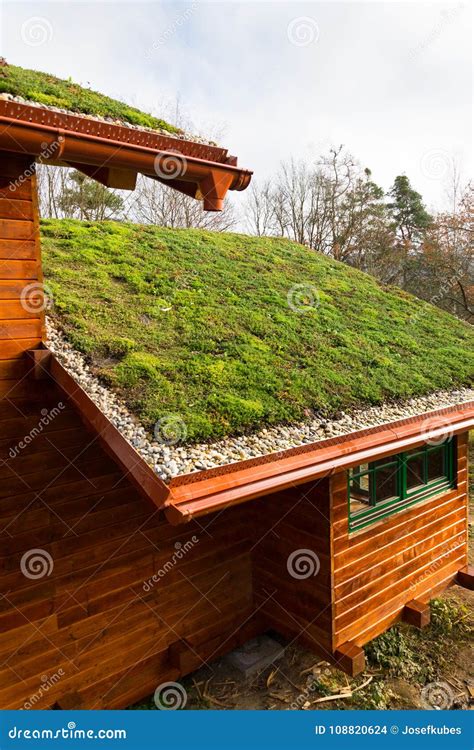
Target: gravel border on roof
x,y
166,454
5,96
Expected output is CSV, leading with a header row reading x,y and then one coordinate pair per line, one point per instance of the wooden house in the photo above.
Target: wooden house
x,y
113,581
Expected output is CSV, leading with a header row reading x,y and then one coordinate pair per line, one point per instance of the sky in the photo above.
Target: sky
x,y
274,80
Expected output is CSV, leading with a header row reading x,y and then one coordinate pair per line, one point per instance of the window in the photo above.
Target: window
x,y
385,486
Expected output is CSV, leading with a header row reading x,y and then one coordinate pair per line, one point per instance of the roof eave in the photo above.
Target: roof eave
x,y
66,139
206,492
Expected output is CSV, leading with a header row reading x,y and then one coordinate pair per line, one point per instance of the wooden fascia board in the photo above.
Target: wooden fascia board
x,y
249,481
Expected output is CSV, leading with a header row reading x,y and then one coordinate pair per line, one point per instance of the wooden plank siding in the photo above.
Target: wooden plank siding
x,y
412,554
21,324
295,522
92,617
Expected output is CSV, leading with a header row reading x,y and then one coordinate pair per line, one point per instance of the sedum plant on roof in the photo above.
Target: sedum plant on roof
x,y
235,333
34,86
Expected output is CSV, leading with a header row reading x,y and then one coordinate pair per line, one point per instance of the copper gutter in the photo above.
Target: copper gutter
x,y
55,137
205,492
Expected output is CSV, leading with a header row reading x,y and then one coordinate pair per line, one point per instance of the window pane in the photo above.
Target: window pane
x,y
436,466
386,483
359,493
383,482
359,469
415,473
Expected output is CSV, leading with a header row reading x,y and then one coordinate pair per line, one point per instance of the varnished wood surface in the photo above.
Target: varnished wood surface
x,y
410,555
92,617
21,317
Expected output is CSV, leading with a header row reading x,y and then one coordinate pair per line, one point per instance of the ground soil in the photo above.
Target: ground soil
x,y
287,683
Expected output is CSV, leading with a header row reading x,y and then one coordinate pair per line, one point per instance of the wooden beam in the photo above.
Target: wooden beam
x,y
183,658
188,188
465,577
416,613
111,177
350,658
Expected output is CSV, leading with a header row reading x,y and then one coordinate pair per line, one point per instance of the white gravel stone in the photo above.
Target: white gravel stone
x,y
98,118
170,460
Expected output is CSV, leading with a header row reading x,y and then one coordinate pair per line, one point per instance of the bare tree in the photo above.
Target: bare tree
x,y
155,203
330,206
443,272
51,184
260,209
454,188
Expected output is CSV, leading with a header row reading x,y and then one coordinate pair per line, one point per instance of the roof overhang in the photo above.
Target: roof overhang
x,y
197,494
114,154
204,492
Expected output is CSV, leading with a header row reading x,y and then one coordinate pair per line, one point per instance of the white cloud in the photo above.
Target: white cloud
x,y
389,80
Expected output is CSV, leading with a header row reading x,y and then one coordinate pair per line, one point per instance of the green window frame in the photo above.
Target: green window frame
x,y
386,486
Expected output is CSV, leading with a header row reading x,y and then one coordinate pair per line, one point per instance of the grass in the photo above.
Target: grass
x,y
198,324
49,90
421,655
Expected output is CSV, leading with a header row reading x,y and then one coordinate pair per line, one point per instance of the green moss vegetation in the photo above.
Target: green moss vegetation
x,y
421,655
49,90
198,324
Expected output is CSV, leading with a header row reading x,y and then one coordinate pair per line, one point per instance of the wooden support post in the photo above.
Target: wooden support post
x,y
350,658
416,613
182,657
122,179
465,577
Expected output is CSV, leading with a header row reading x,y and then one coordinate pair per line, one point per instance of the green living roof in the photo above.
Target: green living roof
x,y
234,333
48,90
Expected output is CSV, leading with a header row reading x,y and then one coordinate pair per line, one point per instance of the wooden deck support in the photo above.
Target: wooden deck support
x,y
465,577
416,613
350,658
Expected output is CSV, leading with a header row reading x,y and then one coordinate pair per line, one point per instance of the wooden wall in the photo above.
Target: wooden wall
x,y
285,523
21,322
113,640
411,555
91,617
